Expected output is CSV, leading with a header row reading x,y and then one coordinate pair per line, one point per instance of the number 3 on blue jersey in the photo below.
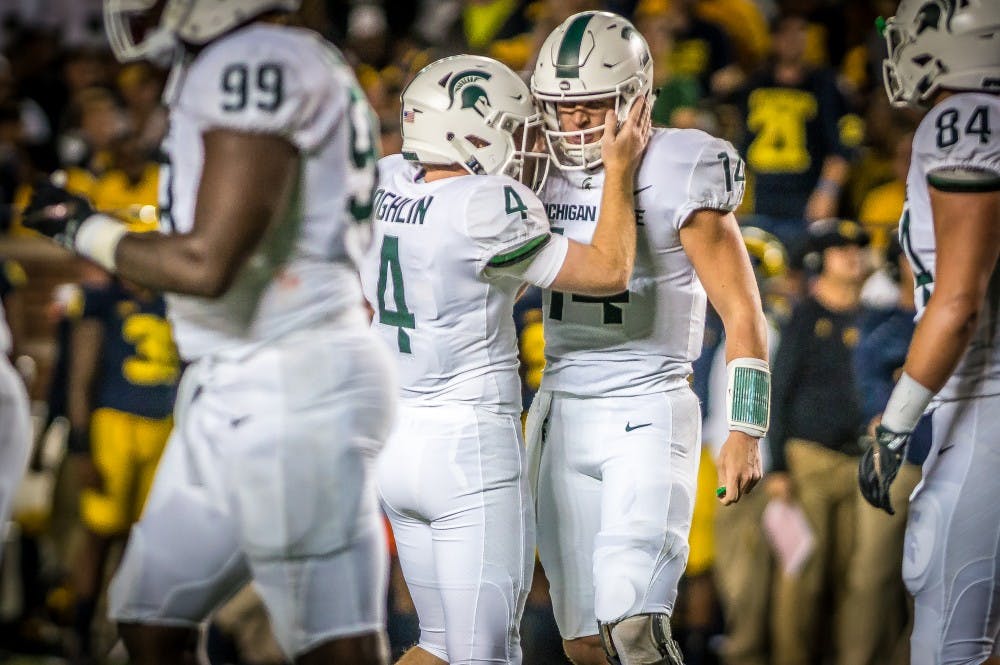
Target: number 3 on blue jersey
x,y
401,316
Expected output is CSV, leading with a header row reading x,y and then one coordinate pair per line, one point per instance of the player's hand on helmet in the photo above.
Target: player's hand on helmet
x,y
880,464
622,147
55,212
739,467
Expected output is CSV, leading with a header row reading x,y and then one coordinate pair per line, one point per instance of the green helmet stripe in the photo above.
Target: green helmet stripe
x,y
568,61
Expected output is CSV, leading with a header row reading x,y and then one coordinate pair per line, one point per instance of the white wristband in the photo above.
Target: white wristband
x,y
98,238
748,396
907,404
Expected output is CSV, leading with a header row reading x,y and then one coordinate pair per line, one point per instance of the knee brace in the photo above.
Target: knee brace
x,y
643,639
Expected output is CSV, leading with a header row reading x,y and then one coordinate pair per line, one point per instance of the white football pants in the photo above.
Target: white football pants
x,y
269,474
452,482
615,486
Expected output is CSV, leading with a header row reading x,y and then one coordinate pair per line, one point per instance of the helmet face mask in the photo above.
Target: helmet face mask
x,y
474,111
138,30
591,56
530,162
169,23
936,44
579,149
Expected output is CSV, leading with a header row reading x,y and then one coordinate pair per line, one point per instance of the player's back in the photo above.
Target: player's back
x,y
644,339
284,81
953,141
450,327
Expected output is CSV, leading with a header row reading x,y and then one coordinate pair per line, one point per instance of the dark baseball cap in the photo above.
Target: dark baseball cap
x,y
833,232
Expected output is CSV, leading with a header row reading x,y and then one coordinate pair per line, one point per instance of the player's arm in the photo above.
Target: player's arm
x,y
967,237
967,242
252,138
604,267
246,183
86,344
713,243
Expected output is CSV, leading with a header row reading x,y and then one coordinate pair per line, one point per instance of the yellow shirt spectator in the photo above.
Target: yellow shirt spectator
x,y
133,201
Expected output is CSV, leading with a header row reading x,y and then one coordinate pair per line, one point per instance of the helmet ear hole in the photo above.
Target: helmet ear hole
x,y
477,141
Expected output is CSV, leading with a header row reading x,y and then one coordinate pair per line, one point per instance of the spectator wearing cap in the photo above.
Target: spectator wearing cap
x,y
880,627
815,424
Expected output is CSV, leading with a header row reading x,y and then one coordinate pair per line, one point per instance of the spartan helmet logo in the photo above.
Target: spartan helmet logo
x,y
929,17
464,86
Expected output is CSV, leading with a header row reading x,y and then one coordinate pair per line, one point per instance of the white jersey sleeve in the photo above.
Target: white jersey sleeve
x,y
507,224
715,178
271,86
955,149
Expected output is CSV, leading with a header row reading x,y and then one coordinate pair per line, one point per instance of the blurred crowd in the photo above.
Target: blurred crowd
x,y
794,84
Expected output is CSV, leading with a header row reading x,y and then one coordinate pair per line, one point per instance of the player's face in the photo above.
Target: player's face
x,y
575,116
847,263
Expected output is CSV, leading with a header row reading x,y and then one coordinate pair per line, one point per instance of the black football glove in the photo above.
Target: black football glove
x,y
56,213
880,464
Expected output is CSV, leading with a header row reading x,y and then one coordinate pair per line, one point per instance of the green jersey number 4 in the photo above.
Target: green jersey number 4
x,y
401,317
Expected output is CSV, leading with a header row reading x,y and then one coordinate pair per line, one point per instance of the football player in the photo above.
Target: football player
x,y
614,430
945,55
15,412
288,395
121,387
452,251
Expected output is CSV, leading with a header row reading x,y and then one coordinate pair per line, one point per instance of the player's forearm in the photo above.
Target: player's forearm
x,y
175,264
86,342
614,241
941,337
746,332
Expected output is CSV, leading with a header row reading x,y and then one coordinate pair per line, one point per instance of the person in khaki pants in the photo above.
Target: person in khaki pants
x,y
858,546
876,628
817,418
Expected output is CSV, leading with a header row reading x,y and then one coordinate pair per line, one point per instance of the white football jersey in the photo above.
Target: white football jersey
x,y
642,340
955,148
6,340
447,319
273,79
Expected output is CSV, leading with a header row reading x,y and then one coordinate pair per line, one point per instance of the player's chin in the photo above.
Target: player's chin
x,y
591,137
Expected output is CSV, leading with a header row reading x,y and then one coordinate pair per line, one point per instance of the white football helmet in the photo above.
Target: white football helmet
x,y
936,44
474,111
590,56
191,21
